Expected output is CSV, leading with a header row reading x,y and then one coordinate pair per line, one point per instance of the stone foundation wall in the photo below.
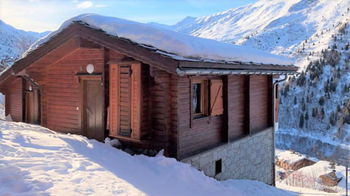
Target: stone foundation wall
x,y
251,157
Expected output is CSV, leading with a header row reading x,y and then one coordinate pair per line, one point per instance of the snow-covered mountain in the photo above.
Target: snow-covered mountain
x,y
274,25
316,35
13,42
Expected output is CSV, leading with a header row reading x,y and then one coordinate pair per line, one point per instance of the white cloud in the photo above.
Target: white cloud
x,y
85,5
100,5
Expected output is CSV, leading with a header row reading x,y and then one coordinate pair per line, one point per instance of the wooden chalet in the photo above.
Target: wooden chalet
x,y
87,82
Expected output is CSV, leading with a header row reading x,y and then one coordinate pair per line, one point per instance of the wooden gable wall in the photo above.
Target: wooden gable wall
x,y
14,99
61,89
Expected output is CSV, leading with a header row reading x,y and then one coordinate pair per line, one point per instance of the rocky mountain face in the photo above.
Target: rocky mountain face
x,y
316,35
13,42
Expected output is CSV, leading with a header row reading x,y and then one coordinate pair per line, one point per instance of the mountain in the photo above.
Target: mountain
x,y
316,35
13,42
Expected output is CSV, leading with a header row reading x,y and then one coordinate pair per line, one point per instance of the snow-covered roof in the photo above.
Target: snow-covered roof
x,y
173,44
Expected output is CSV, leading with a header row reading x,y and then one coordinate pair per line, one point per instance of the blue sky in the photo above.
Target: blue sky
x,y
42,15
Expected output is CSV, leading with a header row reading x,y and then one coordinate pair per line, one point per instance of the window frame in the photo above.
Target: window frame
x,y
204,97
205,82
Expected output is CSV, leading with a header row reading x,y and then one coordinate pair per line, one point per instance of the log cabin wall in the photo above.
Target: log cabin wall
x,y
238,105
200,134
61,89
160,106
14,99
261,99
173,136
145,102
249,110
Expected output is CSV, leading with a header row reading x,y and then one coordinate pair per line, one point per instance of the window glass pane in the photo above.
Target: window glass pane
x,y
196,98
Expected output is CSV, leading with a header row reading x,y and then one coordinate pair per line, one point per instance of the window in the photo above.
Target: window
x,y
218,166
196,99
206,97
199,98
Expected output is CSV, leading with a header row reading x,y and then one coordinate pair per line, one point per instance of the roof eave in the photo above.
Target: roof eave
x,y
199,72
236,66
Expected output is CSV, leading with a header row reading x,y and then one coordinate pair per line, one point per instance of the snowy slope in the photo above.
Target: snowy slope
x,y
38,161
277,26
13,42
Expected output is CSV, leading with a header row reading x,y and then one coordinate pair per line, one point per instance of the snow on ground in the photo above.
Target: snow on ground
x,y
190,47
38,161
289,156
306,180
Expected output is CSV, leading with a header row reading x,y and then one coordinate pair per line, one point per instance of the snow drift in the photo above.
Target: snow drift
x,y
38,161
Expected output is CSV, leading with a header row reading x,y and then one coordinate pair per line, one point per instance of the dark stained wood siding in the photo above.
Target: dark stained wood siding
x,y
173,136
202,133
238,100
61,89
145,102
160,105
14,99
260,102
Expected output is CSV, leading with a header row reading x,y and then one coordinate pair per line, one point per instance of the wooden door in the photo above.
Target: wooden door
x,y
32,106
93,107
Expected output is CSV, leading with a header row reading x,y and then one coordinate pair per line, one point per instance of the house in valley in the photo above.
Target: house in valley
x,y
204,102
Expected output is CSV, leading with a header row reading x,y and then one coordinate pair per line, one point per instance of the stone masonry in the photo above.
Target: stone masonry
x,y
251,157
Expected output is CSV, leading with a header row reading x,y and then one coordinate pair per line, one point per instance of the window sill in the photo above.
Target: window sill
x,y
200,117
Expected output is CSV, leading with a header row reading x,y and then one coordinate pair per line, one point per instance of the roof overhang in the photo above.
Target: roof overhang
x,y
234,68
199,72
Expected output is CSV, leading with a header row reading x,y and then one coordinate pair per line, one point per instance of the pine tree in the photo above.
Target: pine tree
x,y
301,121
321,101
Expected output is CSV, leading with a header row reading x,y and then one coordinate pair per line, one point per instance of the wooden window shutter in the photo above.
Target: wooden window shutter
x,y
136,101
216,100
113,100
125,102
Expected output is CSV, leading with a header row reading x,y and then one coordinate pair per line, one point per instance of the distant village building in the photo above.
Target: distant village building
x,y
214,112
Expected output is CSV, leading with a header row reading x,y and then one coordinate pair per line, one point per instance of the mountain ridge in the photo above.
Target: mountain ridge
x,y
13,42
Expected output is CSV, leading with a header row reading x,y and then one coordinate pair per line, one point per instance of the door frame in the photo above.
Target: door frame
x,y
35,87
82,79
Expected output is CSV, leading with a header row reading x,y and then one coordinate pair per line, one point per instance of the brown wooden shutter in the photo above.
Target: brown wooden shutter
x,y
113,100
136,101
125,100
125,95
216,101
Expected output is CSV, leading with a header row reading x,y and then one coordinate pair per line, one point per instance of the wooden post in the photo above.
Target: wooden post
x,y
346,179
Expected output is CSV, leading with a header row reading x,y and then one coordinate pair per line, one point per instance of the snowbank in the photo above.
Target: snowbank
x,y
175,45
38,161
